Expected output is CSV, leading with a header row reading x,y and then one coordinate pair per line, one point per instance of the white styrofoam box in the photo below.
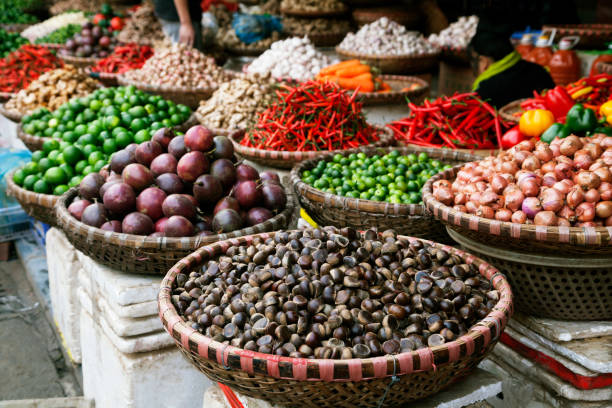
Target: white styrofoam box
x,y
122,326
118,287
63,266
142,343
561,331
162,378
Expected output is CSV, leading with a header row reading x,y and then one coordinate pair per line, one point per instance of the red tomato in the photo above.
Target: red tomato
x,y
116,23
97,18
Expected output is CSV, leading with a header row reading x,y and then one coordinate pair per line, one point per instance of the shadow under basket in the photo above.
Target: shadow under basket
x,y
388,381
143,254
406,219
38,206
551,286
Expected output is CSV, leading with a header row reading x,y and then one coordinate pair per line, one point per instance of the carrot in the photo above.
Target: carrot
x,y
364,85
353,71
384,87
341,65
328,78
363,77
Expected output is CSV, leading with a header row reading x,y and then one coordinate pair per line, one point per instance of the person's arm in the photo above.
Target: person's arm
x,y
186,31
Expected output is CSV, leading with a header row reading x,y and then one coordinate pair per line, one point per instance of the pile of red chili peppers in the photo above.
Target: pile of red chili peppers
x,y
458,121
590,92
24,65
124,58
312,116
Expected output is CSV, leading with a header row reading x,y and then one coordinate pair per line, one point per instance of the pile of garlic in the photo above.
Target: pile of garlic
x,y
457,35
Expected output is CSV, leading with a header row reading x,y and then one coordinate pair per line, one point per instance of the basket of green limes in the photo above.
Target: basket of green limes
x,y
374,187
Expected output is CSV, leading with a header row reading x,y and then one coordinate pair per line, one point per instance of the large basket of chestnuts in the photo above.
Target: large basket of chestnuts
x,y
334,318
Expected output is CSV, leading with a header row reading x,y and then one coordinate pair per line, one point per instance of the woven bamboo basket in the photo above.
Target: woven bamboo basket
x,y
324,39
314,14
538,239
512,112
185,95
79,62
551,286
286,160
604,67
394,64
33,143
406,219
107,79
142,254
406,16
37,206
393,379
11,114
396,95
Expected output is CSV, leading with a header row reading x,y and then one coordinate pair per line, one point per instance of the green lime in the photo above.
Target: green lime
x,y
94,157
52,123
61,189
28,182
19,176
41,187
80,130
109,146
29,128
118,130
88,149
99,164
123,139
137,124
75,181
55,176
95,105
80,166
37,155
87,139
176,119
137,111
60,158
45,164
68,170
87,170
50,144
142,136
72,155
111,122
31,168
53,154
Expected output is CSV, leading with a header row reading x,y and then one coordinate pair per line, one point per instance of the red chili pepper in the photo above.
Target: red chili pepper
x,y
24,65
124,58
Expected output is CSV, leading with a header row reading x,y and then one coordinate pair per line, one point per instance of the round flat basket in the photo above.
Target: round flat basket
x,y
397,95
37,206
512,112
184,95
531,238
107,79
394,64
79,62
406,219
326,383
322,39
15,28
604,67
286,160
142,254
551,286
33,143
10,114
314,13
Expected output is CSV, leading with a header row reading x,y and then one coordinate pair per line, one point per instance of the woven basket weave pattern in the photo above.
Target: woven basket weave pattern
x,y
334,383
397,96
551,287
522,237
142,254
406,219
394,64
10,114
79,62
507,112
286,160
37,206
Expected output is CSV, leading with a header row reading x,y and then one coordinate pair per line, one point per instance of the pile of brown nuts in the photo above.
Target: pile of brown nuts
x,y
313,5
236,104
143,27
52,89
329,293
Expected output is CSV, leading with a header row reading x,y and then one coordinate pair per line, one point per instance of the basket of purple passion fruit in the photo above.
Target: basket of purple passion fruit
x,y
327,317
159,201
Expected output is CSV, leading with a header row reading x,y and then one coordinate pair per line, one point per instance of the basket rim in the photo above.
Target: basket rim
x,y
7,95
314,14
11,114
386,57
504,111
122,79
27,196
575,236
477,338
386,137
71,59
360,204
424,87
96,75
66,221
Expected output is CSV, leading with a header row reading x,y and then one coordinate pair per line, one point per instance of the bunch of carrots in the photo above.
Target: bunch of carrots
x,y
355,75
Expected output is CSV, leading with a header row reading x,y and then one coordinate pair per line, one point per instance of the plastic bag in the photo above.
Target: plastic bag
x,y
250,28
